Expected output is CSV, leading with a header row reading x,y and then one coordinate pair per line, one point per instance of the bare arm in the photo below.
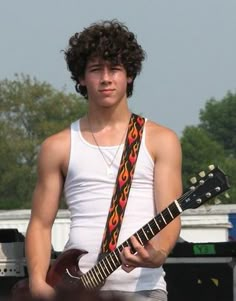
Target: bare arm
x,y
45,204
168,187
165,149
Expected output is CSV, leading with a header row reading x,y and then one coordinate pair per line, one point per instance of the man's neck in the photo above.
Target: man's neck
x,y
108,117
108,129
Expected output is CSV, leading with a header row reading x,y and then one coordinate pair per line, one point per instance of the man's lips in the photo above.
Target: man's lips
x,y
106,90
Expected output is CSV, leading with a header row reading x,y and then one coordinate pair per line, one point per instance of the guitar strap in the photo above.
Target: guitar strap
x,y
123,184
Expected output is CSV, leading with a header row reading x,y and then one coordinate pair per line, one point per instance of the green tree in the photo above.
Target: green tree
x,y
218,119
30,111
199,151
212,141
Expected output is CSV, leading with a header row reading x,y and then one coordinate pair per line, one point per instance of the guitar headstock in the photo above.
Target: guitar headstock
x,y
205,186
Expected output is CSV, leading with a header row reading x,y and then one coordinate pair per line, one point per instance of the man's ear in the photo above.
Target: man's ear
x,y
81,81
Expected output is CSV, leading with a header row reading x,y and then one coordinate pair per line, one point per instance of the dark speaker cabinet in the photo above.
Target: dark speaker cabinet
x,y
201,278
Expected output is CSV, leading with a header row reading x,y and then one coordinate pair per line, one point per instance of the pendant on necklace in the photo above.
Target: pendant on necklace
x,y
110,171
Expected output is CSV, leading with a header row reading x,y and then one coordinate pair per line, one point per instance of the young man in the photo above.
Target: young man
x,y
83,160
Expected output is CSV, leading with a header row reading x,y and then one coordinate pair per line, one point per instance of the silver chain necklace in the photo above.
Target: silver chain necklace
x,y
110,171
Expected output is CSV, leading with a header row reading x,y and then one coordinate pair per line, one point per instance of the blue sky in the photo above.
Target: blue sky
x,y
190,46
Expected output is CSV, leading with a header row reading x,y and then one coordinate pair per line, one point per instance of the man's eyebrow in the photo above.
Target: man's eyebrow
x,y
90,65
98,64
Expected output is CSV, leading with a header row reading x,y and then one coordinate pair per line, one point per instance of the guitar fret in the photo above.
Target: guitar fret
x,y
148,234
157,224
96,278
139,238
98,273
112,259
178,206
109,264
105,266
117,261
163,218
126,244
122,246
104,274
151,229
87,276
145,234
93,279
117,258
161,221
129,244
174,209
170,213
85,281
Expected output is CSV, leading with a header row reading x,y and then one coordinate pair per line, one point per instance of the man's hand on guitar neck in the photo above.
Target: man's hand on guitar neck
x,y
146,256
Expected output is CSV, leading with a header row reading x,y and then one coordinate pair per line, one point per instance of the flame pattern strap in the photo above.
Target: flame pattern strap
x,y
123,184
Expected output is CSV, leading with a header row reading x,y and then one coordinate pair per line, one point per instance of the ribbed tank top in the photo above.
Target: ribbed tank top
x,y
88,191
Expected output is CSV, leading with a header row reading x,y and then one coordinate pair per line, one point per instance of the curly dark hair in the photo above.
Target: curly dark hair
x,y
109,40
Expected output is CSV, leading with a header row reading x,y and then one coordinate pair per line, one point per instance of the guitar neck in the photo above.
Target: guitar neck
x,y
96,276
66,268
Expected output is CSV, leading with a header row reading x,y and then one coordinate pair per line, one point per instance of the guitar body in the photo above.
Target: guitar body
x,y
63,274
65,265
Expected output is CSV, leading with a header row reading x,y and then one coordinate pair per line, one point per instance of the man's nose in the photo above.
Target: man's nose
x,y
105,76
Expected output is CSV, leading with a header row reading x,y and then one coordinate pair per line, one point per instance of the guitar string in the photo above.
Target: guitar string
x,y
116,264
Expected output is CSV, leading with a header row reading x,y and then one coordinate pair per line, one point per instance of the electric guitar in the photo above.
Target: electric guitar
x,y
65,272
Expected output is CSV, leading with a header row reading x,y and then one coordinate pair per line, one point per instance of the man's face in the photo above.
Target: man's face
x,y
106,83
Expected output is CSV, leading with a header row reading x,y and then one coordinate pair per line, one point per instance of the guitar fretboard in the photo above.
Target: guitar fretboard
x,y
96,276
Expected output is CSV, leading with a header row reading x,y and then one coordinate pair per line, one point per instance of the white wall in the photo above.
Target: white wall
x,y
205,224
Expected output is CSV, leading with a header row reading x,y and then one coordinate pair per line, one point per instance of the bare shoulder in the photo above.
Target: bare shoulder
x,y
57,141
160,139
159,131
55,149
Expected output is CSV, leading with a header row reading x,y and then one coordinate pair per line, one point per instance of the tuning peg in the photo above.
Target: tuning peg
x,y
193,180
202,174
211,167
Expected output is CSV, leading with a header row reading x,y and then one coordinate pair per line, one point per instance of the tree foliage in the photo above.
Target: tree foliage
x,y
199,150
213,141
218,119
30,111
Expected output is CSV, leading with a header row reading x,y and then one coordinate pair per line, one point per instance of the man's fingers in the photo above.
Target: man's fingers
x,y
125,266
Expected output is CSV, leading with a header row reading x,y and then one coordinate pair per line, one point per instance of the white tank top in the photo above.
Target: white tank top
x,y
88,190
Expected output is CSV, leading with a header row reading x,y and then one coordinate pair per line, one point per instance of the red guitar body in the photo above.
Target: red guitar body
x,y
64,273
67,263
